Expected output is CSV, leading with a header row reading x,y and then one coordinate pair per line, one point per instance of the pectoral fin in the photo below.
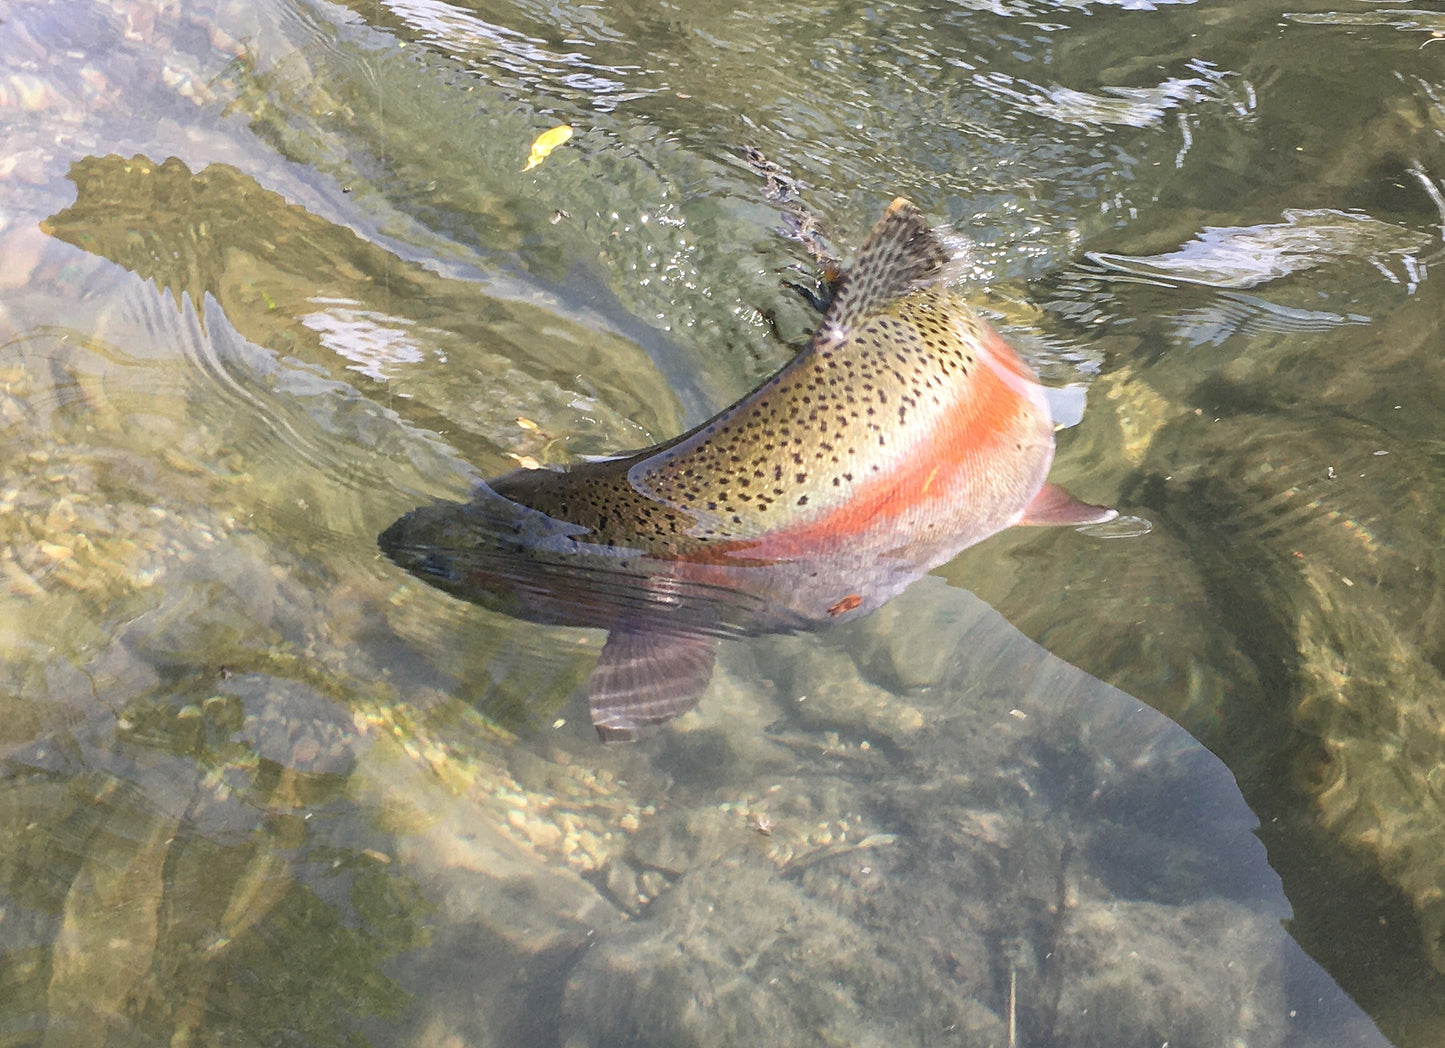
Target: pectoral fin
x,y
1053,506
644,678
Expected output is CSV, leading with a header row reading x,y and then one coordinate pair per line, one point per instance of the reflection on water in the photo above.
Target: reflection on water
x,y
273,274
1254,255
294,283
1126,106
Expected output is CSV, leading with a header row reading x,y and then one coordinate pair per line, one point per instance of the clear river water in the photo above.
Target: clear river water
x,y
273,273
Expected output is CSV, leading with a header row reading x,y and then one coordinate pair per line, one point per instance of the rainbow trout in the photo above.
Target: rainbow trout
x,y
907,431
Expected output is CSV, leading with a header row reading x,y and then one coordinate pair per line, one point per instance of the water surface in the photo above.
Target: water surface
x,y
273,274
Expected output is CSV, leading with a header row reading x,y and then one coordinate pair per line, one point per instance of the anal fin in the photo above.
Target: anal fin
x,y
645,678
1053,506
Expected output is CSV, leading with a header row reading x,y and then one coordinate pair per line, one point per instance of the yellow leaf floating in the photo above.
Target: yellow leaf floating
x,y
546,142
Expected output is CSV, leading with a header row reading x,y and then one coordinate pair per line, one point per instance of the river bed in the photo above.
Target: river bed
x,y
272,274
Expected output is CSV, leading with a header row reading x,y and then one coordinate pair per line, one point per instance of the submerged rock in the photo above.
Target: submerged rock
x,y
1080,872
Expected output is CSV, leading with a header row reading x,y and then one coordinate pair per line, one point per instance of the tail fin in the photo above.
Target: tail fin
x,y
901,255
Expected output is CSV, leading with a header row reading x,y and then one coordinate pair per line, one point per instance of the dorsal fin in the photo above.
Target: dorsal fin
x,y
901,255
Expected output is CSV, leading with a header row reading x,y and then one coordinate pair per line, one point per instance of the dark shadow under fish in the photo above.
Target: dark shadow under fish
x,y
907,431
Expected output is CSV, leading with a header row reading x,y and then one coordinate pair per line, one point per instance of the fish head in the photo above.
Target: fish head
x,y
515,559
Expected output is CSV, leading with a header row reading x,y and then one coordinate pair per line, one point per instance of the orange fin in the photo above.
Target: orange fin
x,y
646,678
1053,506
901,255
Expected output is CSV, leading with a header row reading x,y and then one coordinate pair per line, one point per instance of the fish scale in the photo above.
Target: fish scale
x,y
906,431
867,393
847,412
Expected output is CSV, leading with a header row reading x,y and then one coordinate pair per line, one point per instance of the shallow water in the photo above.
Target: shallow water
x,y
272,274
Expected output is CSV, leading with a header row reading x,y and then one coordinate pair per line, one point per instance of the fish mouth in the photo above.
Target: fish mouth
x,y
393,541
409,544
425,562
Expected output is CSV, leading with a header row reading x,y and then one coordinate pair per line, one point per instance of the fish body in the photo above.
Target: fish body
x,y
907,431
